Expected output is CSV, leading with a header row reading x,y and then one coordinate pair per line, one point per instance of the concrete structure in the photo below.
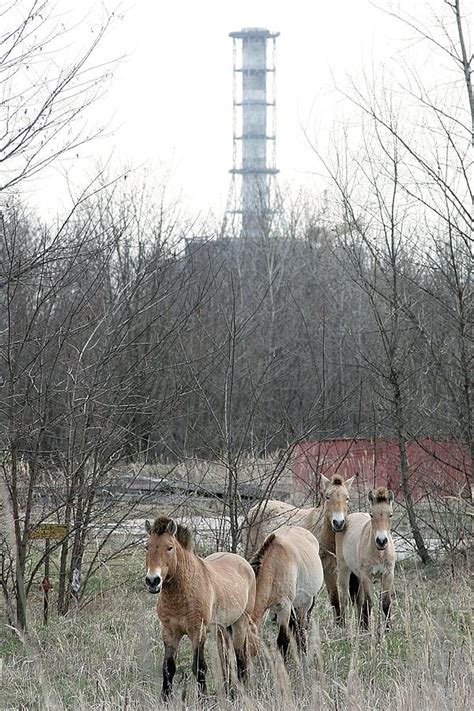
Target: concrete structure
x,y
253,190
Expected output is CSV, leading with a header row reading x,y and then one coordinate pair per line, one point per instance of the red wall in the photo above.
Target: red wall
x,y
434,466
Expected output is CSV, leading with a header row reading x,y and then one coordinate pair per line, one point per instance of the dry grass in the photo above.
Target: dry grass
x,y
108,655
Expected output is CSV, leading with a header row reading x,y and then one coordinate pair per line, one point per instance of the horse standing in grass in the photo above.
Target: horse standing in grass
x,y
323,521
196,594
366,550
289,575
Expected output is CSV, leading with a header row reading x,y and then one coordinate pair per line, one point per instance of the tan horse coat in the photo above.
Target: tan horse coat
x,y
196,594
289,575
366,549
321,520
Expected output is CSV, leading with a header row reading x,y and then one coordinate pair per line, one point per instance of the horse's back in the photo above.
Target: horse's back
x,y
233,586
356,523
265,518
302,549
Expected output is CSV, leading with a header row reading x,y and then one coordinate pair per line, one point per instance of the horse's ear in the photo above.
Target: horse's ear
x,y
323,482
371,496
350,481
391,496
148,527
172,527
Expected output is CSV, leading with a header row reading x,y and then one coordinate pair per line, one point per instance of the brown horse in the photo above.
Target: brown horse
x,y
289,575
196,594
323,521
366,549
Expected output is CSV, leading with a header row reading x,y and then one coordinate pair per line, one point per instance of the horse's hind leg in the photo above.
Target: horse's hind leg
x,y
240,634
283,640
223,645
298,627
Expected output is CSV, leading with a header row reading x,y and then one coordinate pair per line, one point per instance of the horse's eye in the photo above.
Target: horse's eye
x,y
328,498
170,548
371,515
391,514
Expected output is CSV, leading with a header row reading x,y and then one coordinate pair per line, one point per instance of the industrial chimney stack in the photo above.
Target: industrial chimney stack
x,y
254,139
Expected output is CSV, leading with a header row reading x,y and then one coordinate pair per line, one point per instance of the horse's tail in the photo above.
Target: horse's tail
x,y
353,586
256,561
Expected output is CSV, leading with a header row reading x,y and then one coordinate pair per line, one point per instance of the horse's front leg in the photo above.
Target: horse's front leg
x,y
199,663
365,599
387,585
171,641
330,580
343,577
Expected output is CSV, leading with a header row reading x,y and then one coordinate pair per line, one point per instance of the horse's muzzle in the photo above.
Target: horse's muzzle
x,y
153,589
153,584
381,545
338,526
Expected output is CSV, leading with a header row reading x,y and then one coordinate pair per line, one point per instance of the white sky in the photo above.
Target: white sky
x,y
170,103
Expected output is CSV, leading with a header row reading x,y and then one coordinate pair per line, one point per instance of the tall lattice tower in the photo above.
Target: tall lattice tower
x,y
253,197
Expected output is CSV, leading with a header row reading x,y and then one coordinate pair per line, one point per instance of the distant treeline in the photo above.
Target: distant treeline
x,y
116,345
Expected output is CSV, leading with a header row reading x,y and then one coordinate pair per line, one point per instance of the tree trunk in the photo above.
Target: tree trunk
x,y
399,420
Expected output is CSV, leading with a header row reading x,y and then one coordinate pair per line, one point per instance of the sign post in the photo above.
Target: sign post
x,y
48,532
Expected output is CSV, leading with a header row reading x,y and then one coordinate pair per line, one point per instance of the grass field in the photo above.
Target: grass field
x,y
108,655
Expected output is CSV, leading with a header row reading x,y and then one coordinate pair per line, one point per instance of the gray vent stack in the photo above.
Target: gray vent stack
x,y
254,137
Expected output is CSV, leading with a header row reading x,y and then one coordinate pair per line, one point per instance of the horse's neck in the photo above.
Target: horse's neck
x,y
368,540
263,595
322,529
187,566
317,520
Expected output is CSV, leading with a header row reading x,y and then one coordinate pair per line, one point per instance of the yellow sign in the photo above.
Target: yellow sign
x,y
52,531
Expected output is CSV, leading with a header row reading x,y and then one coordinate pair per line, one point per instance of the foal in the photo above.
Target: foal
x,y
289,575
366,549
323,521
195,594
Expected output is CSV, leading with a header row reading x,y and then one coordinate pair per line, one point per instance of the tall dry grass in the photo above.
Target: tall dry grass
x,y
108,655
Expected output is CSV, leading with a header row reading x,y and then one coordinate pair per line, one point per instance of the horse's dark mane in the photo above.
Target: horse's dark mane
x,y
183,534
381,494
257,558
337,480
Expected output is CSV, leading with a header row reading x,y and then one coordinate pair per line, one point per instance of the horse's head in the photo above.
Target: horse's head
x,y
381,501
164,537
335,494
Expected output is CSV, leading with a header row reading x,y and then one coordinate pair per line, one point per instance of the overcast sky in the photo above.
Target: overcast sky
x,y
170,103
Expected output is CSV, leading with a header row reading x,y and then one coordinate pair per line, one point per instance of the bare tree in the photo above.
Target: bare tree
x,y
404,205
44,98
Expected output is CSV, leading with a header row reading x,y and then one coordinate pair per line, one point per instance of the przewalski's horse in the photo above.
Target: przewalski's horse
x,y
323,521
289,575
366,549
195,594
